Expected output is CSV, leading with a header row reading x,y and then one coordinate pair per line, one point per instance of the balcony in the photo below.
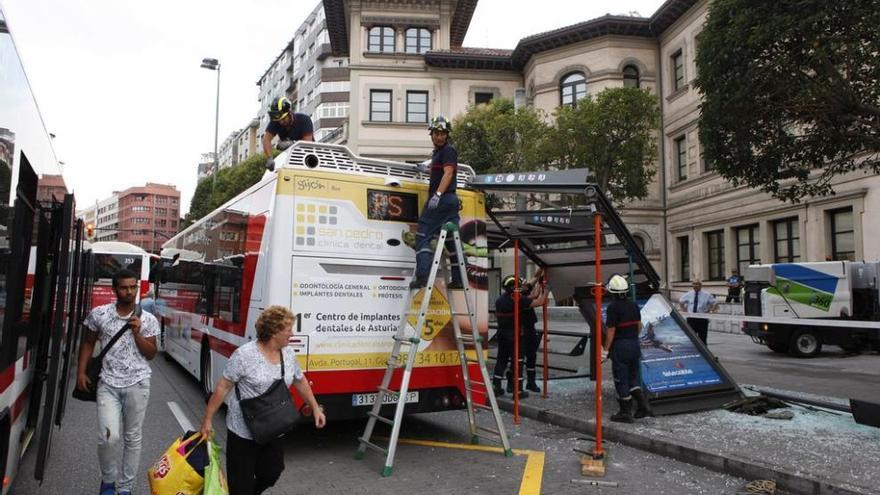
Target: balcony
x,y
324,51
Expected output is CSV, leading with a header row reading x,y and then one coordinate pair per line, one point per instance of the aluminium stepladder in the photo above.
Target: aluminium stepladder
x,y
402,339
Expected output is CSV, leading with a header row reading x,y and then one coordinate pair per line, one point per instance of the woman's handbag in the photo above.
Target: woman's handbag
x,y
270,414
93,370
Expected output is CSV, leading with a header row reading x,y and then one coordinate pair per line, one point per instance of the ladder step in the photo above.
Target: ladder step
x,y
489,430
475,382
483,407
380,418
486,437
461,314
470,339
472,360
407,340
386,390
368,444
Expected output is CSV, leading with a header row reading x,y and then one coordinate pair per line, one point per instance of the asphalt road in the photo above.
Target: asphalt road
x,y
322,461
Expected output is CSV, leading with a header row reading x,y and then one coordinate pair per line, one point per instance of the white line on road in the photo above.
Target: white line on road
x,y
180,416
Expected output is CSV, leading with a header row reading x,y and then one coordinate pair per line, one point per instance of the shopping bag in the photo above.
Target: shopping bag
x,y
215,482
174,473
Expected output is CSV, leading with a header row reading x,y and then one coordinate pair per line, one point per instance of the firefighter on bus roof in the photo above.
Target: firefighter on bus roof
x,y
442,204
288,126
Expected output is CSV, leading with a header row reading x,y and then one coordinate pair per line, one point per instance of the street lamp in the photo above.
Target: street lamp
x,y
214,64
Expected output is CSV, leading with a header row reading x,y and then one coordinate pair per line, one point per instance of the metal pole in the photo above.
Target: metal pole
x,y
546,330
516,331
216,133
598,451
632,278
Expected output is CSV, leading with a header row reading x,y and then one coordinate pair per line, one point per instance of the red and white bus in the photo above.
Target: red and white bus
x,y
39,315
326,235
110,257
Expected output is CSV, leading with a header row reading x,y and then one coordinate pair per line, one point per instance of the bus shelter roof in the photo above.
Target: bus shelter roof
x,y
551,214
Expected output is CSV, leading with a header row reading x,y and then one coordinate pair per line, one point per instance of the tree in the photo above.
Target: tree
x,y
495,137
791,92
613,135
225,184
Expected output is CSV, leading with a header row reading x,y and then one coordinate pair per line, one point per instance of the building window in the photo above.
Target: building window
x,y
572,88
681,161
843,243
715,251
381,40
481,98
380,105
417,106
684,262
787,241
418,40
748,243
677,70
631,76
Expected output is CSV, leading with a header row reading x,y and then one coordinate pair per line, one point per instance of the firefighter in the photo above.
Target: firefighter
x,y
441,207
531,336
623,322
504,312
287,125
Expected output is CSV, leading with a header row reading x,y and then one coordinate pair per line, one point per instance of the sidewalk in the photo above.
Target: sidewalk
x,y
816,452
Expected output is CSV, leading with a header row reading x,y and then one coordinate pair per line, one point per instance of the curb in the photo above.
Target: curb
x,y
744,468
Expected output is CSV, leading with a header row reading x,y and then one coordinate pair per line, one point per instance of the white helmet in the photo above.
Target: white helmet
x,y
618,285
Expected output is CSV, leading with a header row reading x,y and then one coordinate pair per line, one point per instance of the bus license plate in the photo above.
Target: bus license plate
x,y
370,399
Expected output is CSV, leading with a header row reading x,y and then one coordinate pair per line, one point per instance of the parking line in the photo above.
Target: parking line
x,y
532,474
180,416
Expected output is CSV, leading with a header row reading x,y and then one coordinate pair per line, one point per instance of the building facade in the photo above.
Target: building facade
x,y
207,165
407,63
308,74
228,150
148,215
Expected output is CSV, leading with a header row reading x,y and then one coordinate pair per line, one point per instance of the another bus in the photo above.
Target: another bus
x,y
110,257
326,235
38,328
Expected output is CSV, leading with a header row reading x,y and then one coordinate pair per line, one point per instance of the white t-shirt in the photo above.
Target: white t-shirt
x,y
248,368
124,365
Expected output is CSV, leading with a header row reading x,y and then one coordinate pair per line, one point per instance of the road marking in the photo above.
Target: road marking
x,y
180,416
532,474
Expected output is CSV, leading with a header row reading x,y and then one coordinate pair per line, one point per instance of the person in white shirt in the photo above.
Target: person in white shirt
x,y
698,301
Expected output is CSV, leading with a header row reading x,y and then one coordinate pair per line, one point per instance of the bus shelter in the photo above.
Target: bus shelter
x,y
570,228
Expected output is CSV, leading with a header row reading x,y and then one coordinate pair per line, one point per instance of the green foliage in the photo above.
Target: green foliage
x,y
791,92
211,192
613,135
495,137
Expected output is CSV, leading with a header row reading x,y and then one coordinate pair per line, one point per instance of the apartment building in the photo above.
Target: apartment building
x,y
246,141
407,63
228,150
314,80
148,215
207,165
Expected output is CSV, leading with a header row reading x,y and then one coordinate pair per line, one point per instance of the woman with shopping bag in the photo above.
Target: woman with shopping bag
x,y
260,411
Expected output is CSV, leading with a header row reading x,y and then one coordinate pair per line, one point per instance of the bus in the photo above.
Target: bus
x,y
327,235
38,325
111,256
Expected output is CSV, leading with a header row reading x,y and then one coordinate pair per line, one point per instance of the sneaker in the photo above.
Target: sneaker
x,y
108,489
455,285
418,283
123,493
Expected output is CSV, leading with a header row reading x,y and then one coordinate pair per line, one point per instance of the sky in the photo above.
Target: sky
x,y
119,83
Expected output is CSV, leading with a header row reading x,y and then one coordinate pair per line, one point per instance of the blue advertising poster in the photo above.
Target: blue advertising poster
x,y
670,360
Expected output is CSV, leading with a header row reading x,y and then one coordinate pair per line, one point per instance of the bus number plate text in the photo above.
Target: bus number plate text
x,y
370,399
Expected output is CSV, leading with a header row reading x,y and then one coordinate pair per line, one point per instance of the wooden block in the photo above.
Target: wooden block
x,y
592,467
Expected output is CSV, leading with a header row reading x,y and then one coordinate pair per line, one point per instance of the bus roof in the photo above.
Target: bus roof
x,y
117,247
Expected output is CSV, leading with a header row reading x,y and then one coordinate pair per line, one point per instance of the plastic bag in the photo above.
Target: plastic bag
x,y
215,482
174,473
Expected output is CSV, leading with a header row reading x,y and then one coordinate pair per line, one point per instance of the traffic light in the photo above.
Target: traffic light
x,y
90,230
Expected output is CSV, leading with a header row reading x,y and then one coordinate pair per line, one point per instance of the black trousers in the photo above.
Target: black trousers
x,y
701,326
532,340
251,469
625,365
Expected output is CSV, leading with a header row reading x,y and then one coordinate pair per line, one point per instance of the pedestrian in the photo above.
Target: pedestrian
x,y
623,322
288,126
253,468
441,207
531,337
734,287
697,301
124,386
504,313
